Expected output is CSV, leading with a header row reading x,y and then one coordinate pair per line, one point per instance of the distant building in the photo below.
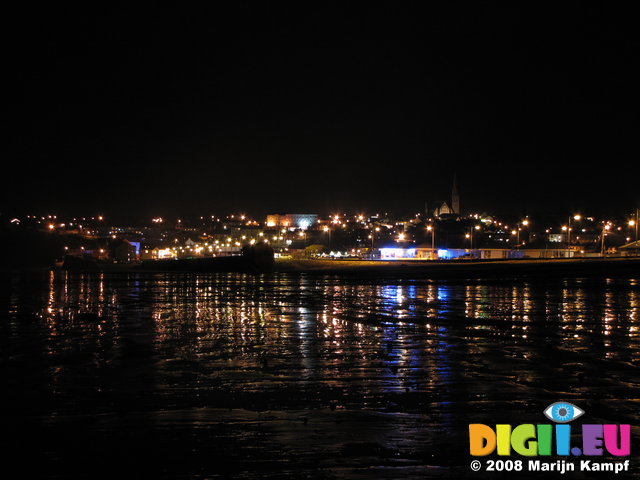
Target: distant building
x,y
427,253
443,209
125,252
548,253
162,253
391,253
556,237
494,253
422,253
292,220
452,208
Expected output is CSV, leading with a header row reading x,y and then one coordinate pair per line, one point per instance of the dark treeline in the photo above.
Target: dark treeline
x,y
25,247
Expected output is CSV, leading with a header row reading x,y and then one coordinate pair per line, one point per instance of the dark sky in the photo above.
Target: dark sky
x,y
144,111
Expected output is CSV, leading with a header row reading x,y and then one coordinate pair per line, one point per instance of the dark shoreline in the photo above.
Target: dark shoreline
x,y
402,268
469,268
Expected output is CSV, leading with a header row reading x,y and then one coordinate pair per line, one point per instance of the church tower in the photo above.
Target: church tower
x,y
455,196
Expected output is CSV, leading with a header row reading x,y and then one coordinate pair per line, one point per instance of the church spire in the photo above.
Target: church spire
x,y
455,196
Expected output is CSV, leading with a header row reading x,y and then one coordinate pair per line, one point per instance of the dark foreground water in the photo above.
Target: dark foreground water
x,y
294,376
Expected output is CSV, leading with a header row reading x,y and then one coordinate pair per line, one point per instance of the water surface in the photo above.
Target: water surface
x,y
299,376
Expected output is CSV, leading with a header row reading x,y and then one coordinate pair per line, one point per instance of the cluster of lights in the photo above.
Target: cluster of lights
x,y
339,221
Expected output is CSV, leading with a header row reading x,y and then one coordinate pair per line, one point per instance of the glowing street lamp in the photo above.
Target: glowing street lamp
x,y
634,223
470,237
523,223
605,229
577,217
373,239
433,243
327,230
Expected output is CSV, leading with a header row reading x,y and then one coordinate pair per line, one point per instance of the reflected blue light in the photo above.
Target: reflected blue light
x,y
443,293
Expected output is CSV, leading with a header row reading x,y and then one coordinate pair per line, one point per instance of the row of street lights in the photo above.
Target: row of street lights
x,y
470,235
525,223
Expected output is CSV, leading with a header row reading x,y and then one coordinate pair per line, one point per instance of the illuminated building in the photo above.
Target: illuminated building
x,y
449,208
396,253
125,252
292,220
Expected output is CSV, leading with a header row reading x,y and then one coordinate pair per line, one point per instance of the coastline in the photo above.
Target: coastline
x,y
625,266
466,268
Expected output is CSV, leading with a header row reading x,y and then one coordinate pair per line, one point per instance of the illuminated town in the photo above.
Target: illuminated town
x,y
438,234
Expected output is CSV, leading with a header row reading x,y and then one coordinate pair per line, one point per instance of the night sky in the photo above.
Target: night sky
x,y
318,108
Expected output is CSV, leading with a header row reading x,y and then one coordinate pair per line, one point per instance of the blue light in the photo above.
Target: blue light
x,y
397,253
444,254
137,247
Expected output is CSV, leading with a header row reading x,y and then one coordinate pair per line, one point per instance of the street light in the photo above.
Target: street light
x,y
327,230
577,217
433,243
524,223
373,238
470,236
605,229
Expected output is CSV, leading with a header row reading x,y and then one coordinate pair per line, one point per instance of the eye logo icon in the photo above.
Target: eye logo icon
x,y
563,412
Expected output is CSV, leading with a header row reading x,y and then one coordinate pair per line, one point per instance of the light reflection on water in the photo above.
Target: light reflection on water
x,y
405,363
